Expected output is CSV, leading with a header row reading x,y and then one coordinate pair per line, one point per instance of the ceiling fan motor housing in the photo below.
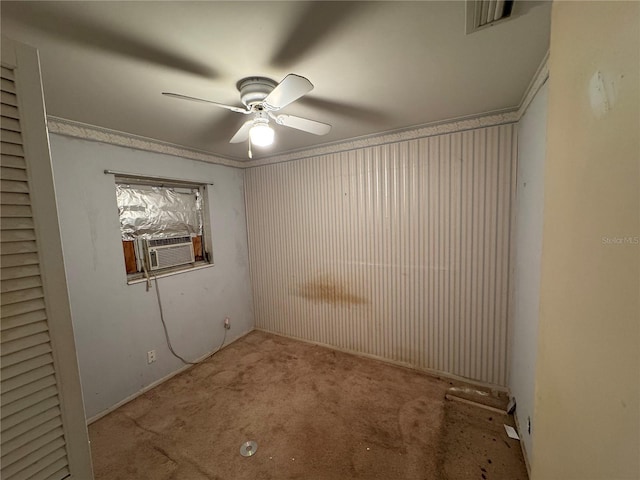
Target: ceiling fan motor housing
x,y
262,97
254,90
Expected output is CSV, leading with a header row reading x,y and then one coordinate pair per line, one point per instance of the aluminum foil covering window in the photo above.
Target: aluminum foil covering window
x,y
158,212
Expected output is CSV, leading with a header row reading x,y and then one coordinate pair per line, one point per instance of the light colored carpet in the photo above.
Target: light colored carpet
x,y
315,413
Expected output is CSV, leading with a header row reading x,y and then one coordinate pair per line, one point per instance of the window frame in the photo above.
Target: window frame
x,y
207,235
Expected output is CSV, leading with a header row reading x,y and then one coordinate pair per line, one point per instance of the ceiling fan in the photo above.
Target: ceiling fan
x,y
262,97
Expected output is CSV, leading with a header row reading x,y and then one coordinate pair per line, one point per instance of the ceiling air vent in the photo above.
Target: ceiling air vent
x,y
484,13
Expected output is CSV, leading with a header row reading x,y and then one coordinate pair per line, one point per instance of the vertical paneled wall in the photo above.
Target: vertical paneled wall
x,y
400,251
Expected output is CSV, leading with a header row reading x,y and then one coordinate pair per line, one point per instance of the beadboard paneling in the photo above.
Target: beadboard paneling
x,y
400,251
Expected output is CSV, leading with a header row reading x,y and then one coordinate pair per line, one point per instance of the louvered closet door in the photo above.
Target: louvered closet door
x,y
33,436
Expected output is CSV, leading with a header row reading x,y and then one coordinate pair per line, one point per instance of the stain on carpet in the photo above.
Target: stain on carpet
x,y
315,413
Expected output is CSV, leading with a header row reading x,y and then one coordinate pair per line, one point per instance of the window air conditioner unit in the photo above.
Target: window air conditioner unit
x,y
169,252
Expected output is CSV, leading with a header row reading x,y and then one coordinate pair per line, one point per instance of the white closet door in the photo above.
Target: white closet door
x,y
43,429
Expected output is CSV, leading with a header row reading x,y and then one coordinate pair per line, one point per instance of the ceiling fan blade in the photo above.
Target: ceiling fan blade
x,y
304,124
202,100
288,90
242,135
316,23
68,22
351,110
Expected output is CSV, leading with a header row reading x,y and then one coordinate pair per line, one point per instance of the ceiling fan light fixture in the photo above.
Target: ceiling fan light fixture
x,y
261,134
262,96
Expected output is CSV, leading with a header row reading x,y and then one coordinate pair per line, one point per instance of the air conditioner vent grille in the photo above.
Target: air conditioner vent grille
x,y
169,252
169,241
483,13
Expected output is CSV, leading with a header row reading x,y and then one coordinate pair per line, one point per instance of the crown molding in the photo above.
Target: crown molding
x,y
427,130
541,76
85,131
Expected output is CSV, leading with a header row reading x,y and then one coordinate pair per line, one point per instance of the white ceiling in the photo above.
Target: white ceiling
x,y
376,66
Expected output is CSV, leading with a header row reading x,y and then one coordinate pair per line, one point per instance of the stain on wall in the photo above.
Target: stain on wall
x,y
327,290
418,230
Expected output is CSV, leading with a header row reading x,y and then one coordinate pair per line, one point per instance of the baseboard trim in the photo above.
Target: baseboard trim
x,y
161,380
522,447
428,371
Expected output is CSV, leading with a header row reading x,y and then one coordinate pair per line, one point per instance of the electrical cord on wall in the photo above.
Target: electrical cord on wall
x,y
166,333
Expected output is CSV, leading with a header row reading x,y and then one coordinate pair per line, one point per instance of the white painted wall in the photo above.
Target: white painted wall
x,y
528,254
115,324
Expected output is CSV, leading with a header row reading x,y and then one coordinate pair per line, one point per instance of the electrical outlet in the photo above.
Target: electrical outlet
x,y
227,323
151,356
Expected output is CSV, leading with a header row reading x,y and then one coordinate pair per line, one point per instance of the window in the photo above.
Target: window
x,y
163,225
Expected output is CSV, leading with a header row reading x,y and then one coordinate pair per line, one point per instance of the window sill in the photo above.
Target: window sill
x,y
168,273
